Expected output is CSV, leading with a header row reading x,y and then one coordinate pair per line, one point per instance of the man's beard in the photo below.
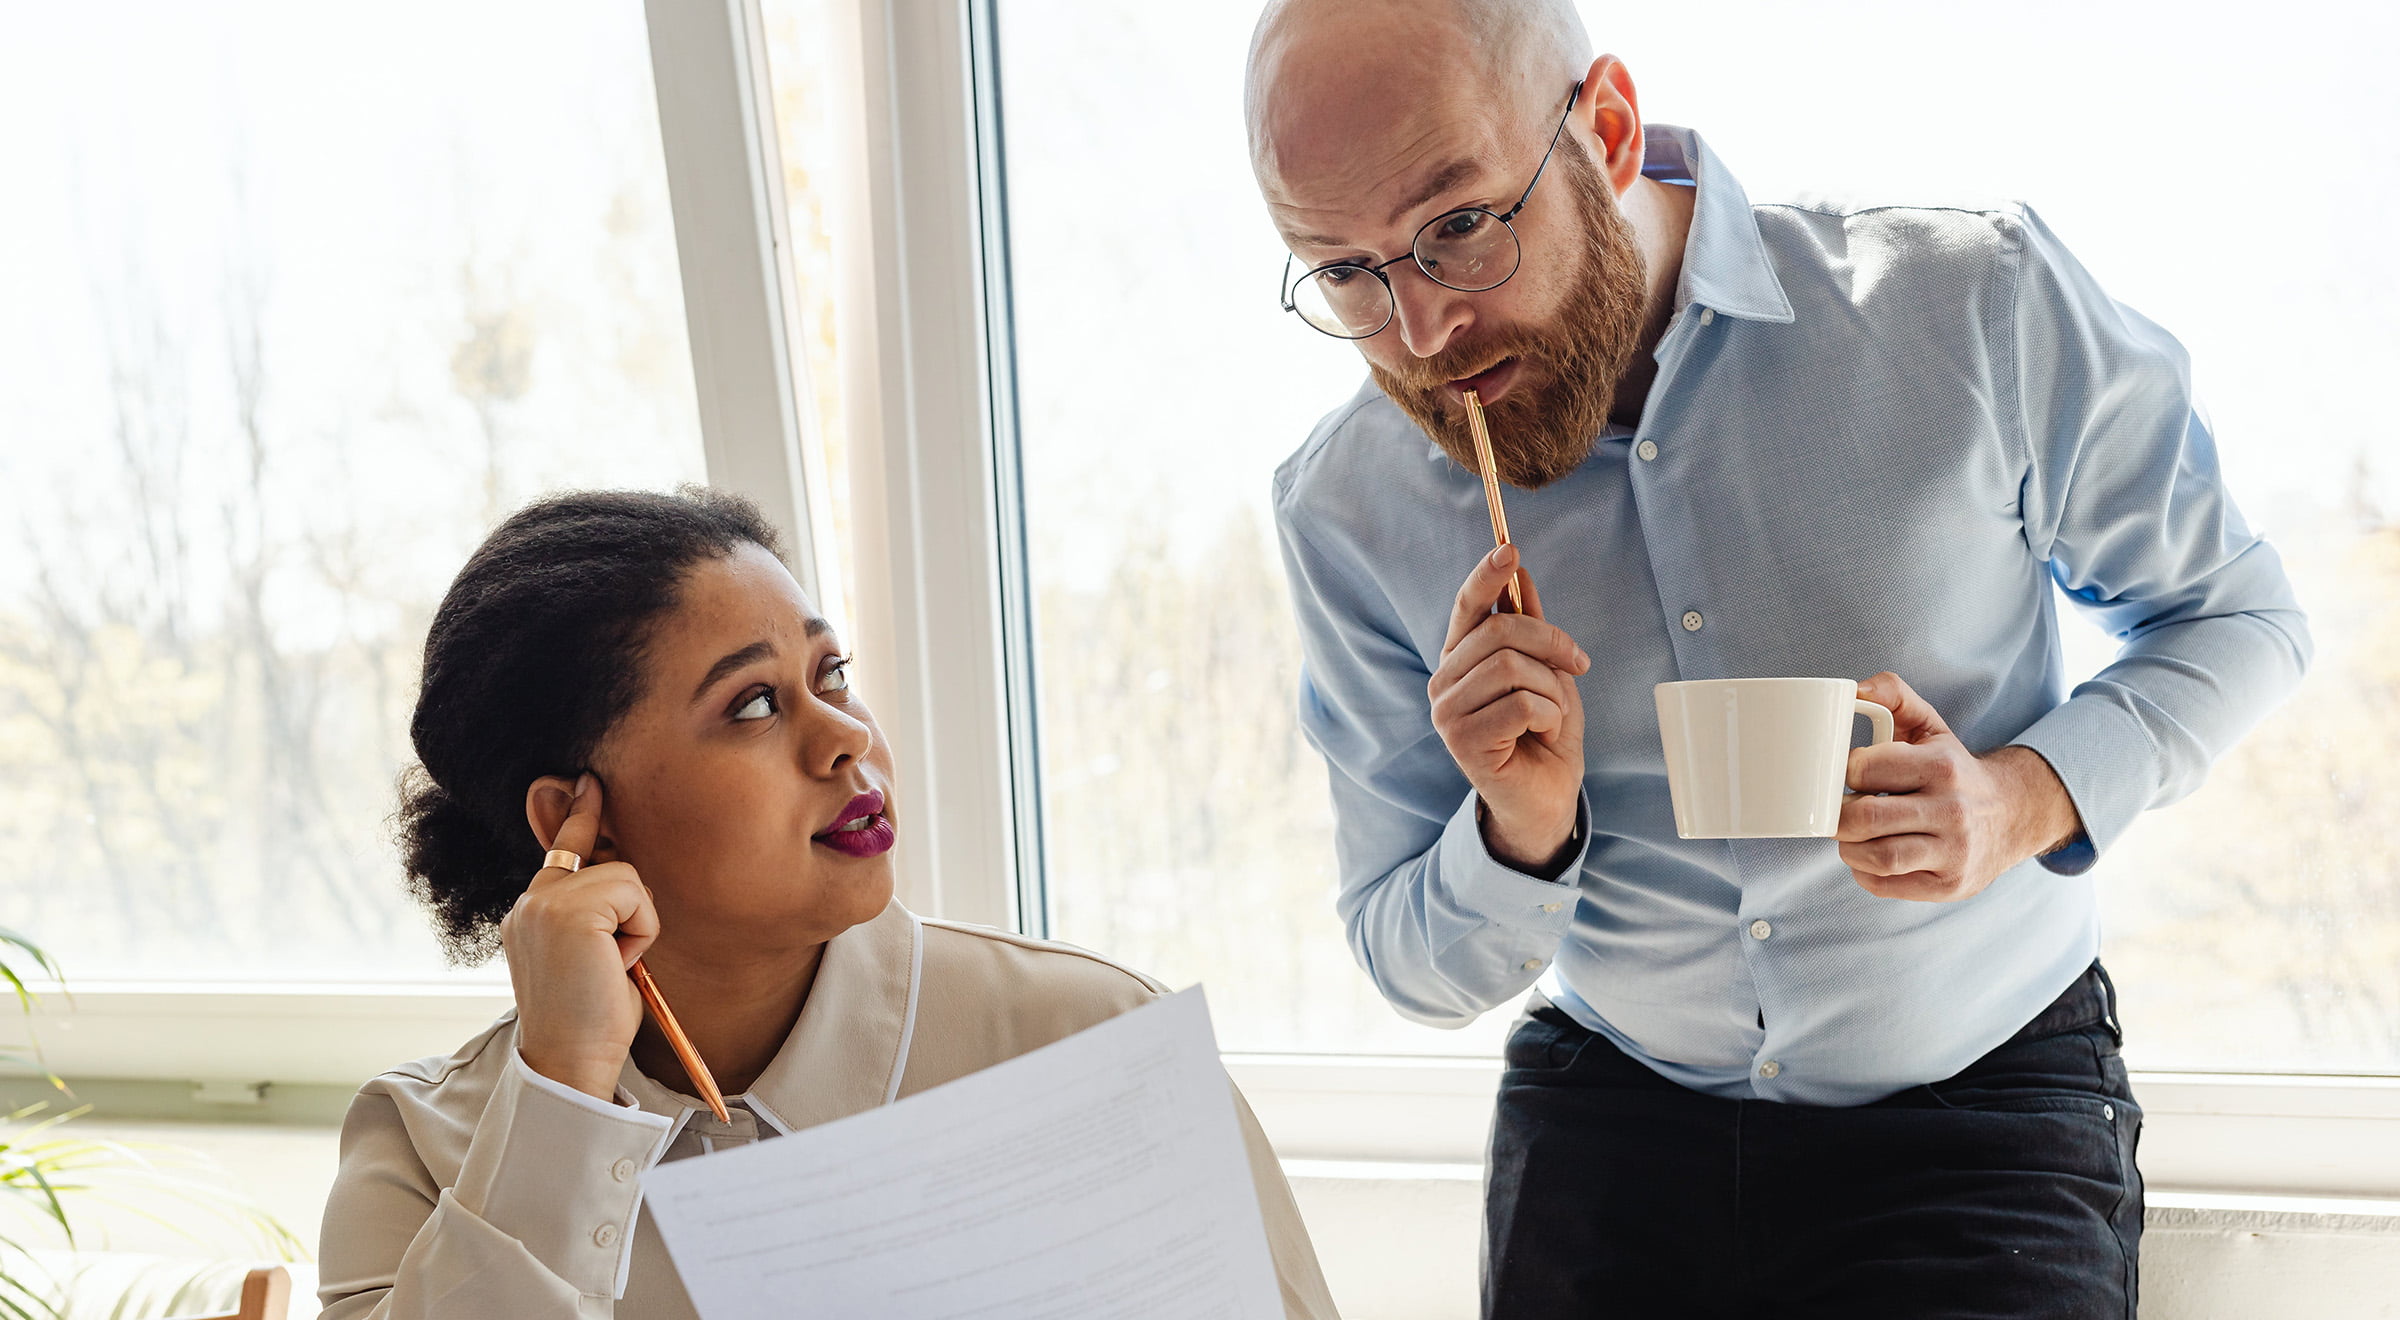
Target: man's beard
x,y
1545,426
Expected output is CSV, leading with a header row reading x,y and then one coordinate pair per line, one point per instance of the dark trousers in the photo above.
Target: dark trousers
x,y
2006,1191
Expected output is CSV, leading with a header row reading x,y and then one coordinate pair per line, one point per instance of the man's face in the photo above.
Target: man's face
x,y
1543,351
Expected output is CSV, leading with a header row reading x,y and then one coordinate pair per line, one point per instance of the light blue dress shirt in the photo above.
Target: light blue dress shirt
x,y
1877,436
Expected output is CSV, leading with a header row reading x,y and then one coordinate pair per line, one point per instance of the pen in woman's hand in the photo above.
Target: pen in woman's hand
x,y
690,1057
575,940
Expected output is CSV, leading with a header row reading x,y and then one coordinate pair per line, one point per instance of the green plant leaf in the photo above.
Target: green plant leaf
x,y
41,959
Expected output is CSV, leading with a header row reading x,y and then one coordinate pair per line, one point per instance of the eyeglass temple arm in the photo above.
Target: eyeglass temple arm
x,y
1573,94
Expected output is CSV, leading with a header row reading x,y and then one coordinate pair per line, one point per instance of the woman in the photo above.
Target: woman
x,y
636,679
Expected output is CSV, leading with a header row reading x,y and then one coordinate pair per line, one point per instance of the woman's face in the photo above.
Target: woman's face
x,y
747,784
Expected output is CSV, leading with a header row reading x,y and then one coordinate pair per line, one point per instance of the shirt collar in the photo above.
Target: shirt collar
x,y
846,1053
1725,263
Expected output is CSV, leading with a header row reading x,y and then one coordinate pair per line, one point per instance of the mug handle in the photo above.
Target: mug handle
x,y
1881,718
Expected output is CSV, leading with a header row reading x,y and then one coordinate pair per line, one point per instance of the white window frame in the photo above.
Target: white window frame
x,y
926,383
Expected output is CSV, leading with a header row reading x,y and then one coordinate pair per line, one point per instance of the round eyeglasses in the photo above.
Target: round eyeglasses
x,y
1471,249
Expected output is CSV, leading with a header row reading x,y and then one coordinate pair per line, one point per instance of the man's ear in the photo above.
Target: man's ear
x,y
1611,114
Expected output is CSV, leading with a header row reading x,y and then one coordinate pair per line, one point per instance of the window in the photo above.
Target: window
x,y
2251,927
290,328
1185,825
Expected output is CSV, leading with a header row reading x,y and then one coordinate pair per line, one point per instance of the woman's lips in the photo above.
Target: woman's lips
x,y
1490,383
863,830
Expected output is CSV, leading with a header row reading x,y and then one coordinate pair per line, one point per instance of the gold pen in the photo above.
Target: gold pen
x,y
692,1067
1514,601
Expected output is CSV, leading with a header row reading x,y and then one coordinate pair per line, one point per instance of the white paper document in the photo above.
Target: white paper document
x,y
1100,1176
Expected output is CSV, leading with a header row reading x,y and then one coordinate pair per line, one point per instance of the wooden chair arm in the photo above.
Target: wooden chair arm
x,y
266,1295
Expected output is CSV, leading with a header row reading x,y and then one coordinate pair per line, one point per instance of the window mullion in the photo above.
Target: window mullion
x,y
910,318
724,174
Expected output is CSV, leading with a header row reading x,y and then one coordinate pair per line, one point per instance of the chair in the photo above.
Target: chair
x,y
266,1295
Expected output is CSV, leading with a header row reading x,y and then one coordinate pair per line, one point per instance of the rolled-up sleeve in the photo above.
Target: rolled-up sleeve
x,y
1445,930
2124,497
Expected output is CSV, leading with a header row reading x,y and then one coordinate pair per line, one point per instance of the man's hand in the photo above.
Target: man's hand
x,y
1505,704
1953,820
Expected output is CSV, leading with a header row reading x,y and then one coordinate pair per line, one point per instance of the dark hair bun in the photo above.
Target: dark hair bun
x,y
439,837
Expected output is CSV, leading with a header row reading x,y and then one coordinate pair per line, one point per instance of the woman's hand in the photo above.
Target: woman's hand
x,y
569,940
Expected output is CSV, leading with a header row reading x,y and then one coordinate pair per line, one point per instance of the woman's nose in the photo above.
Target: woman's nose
x,y
834,738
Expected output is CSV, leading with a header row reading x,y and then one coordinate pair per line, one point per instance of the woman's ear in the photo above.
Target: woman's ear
x,y
548,801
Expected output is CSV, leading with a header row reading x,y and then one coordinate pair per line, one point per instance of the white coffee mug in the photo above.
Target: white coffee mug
x,y
1760,758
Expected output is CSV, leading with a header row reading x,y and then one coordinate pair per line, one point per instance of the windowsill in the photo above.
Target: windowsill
x,y
2316,1136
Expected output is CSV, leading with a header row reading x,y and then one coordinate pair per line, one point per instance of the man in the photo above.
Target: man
x,y
1874,1076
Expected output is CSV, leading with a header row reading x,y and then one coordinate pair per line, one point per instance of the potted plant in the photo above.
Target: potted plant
x,y
47,1174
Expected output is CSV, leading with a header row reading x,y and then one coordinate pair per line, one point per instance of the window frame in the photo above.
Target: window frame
x,y
944,657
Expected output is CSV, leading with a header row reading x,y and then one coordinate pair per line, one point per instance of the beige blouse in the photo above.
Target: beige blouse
x,y
472,1186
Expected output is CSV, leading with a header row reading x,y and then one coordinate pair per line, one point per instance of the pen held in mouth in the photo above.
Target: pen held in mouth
x,y
1512,602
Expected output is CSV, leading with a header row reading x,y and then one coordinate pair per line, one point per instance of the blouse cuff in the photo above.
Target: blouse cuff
x,y
560,1171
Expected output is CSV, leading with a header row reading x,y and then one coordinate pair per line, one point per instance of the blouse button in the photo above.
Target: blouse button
x,y
622,1170
605,1235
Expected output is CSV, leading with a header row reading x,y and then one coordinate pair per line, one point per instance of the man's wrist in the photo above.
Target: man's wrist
x,y
2046,812
1542,852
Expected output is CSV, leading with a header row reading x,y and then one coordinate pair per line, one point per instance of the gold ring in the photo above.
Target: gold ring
x,y
562,859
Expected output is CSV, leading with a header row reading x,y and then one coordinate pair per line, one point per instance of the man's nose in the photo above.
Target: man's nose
x,y
1427,313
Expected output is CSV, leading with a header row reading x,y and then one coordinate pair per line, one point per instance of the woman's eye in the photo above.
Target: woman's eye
x,y
758,706
836,677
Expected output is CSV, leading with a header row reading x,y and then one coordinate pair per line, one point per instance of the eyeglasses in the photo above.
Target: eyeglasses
x,y
1469,249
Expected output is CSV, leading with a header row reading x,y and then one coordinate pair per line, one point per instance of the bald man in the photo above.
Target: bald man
x,y
1870,1076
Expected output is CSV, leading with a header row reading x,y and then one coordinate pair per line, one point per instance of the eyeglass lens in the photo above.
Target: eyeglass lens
x,y
1469,250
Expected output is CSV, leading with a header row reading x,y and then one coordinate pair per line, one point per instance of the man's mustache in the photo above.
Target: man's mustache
x,y
1429,374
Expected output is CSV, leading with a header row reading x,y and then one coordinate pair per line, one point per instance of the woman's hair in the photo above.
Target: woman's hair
x,y
535,653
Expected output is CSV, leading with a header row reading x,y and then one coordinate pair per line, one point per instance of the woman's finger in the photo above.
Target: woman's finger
x,y
581,830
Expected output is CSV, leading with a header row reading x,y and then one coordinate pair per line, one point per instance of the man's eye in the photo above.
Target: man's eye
x,y
757,706
836,677
1336,276
1459,224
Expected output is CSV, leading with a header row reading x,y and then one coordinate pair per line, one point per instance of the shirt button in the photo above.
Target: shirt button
x,y
1692,621
1769,1069
1550,907
1533,964
1759,929
1708,315
622,1170
604,1236
1648,449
